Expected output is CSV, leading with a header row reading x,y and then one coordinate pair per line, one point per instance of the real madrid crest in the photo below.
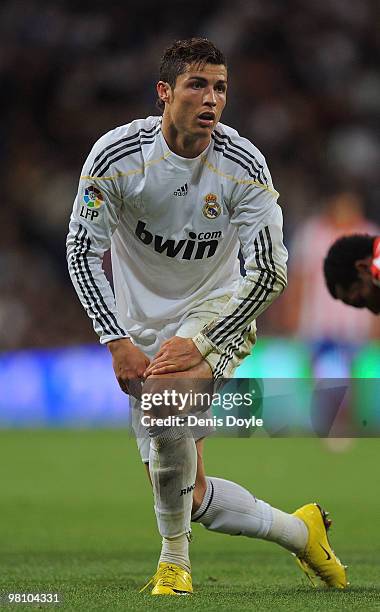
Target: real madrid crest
x,y
211,208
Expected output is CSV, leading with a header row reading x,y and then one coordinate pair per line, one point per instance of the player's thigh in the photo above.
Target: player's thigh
x,y
202,370
193,386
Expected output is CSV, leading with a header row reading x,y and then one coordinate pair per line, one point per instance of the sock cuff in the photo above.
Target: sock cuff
x,y
206,502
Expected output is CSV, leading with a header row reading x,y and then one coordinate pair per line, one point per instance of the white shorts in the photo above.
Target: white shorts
x,y
222,365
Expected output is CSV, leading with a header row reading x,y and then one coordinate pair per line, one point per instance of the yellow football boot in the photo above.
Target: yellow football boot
x,y
170,579
318,558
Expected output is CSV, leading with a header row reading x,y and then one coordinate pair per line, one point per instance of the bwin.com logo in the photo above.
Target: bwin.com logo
x,y
197,246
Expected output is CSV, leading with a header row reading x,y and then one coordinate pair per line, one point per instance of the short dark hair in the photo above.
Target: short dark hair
x,y
182,53
339,263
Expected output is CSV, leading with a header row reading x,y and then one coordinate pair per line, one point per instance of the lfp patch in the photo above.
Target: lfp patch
x,y
93,197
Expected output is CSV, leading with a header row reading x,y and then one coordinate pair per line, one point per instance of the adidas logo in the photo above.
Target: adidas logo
x,y
181,191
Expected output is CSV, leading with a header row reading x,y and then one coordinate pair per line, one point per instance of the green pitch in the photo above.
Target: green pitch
x,y
76,518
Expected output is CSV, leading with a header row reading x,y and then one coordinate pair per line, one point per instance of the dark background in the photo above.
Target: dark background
x,y
304,86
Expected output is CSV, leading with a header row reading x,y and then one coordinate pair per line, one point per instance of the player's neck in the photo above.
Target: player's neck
x,y
184,145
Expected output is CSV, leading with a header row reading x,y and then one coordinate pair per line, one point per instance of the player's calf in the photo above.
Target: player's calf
x,y
172,468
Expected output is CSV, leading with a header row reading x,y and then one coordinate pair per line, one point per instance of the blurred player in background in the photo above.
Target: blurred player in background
x,y
176,197
308,310
352,271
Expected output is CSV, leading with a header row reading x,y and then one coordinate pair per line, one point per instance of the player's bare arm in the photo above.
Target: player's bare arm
x,y
175,355
129,364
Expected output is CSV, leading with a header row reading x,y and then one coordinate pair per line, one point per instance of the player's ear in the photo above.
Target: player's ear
x,y
363,267
163,91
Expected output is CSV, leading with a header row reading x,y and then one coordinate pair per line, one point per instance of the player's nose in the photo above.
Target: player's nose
x,y
210,97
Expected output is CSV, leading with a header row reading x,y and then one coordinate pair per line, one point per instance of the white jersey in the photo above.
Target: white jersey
x,y
175,227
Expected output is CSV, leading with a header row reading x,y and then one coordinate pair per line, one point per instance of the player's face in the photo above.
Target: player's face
x,y
196,102
362,293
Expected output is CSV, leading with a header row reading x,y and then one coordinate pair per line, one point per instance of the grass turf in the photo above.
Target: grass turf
x,y
76,518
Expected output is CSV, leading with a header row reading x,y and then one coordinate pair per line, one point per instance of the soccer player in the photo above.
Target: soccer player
x,y
352,271
176,197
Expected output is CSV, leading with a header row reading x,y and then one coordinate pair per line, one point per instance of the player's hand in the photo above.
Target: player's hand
x,y
175,355
129,364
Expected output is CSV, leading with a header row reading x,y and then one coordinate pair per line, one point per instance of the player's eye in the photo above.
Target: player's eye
x,y
220,88
196,85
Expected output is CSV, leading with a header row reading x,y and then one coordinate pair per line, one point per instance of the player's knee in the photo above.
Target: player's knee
x,y
178,393
153,395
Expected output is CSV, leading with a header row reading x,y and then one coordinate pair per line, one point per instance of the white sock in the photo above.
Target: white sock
x,y
288,531
176,550
173,466
229,508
